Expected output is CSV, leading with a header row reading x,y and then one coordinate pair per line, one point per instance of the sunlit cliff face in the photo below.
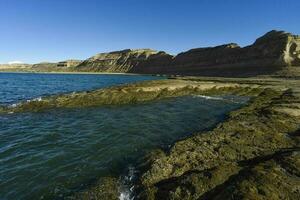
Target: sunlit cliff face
x,y
292,52
295,53
295,49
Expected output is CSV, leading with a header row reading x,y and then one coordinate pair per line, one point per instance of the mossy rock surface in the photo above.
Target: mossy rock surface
x,y
131,94
106,188
252,155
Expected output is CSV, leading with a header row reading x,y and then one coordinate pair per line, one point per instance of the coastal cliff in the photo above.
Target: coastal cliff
x,y
275,51
270,53
117,61
65,65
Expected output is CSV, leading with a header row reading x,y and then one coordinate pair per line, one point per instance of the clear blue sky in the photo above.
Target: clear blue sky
x,y
51,30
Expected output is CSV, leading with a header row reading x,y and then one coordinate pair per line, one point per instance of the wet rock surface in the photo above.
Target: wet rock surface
x,y
105,189
253,155
130,94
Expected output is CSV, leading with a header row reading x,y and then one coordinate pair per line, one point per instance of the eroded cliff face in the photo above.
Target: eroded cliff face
x,y
292,54
268,54
63,66
277,48
276,52
69,63
118,61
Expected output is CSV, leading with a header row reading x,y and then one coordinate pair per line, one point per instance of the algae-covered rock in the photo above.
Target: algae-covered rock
x,y
246,157
129,94
105,189
277,178
272,177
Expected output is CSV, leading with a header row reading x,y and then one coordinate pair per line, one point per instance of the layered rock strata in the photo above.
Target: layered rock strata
x,y
270,53
276,52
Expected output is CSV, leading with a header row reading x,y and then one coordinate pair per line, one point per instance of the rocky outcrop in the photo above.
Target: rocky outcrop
x,y
117,61
122,95
44,65
69,63
57,66
105,189
254,154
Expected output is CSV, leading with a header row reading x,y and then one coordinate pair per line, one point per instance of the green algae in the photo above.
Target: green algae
x,y
105,189
235,160
129,94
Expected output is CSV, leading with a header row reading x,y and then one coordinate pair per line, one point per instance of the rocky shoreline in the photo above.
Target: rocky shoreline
x,y
254,154
132,94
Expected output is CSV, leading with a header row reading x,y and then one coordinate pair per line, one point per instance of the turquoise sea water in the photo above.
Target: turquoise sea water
x,y
51,154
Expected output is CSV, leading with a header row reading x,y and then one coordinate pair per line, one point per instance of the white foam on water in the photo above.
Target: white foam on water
x,y
209,97
127,187
13,105
224,98
36,99
125,196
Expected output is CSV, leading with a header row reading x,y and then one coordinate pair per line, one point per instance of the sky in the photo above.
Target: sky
x,y
33,31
